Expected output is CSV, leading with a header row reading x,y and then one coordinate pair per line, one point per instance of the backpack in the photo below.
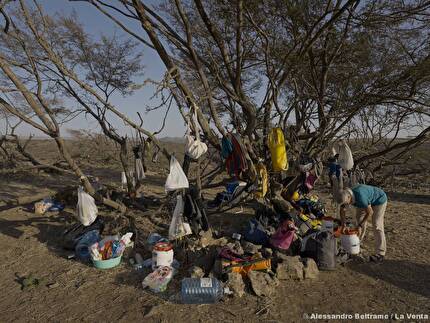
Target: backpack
x,y
269,218
72,235
195,212
284,236
256,233
278,151
320,246
310,206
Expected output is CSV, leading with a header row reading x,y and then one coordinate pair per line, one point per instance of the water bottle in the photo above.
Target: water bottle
x,y
201,290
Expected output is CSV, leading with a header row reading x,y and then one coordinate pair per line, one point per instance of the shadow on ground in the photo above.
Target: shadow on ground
x,y
409,276
49,228
409,197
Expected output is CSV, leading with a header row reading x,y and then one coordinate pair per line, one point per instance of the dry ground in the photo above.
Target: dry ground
x,y
31,245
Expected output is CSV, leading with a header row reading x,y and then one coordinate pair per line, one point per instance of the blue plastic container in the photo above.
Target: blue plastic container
x,y
82,247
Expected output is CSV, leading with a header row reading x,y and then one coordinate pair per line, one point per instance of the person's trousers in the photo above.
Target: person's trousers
x,y
378,227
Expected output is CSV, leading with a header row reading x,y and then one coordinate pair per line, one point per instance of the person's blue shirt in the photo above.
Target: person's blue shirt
x,y
365,195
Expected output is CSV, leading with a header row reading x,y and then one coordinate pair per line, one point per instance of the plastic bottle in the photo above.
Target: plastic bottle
x,y
201,290
143,265
236,236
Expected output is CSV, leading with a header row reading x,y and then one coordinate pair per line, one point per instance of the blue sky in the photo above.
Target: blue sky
x,y
96,23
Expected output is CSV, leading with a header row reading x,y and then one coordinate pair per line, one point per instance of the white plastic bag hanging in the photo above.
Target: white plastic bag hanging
x,y
139,171
178,228
86,207
133,178
333,151
123,180
194,148
177,178
346,161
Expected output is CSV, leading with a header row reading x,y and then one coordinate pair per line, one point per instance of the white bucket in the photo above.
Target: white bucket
x,y
162,255
351,243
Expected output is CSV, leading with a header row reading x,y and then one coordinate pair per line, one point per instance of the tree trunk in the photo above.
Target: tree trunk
x,y
199,180
186,164
84,179
124,162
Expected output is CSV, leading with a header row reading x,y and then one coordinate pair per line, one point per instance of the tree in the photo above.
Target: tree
x,y
27,62
319,70
62,60
314,68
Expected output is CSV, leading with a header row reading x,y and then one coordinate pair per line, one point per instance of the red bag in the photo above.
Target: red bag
x,y
229,254
284,236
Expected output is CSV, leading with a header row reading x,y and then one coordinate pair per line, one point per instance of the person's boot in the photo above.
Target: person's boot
x,y
376,258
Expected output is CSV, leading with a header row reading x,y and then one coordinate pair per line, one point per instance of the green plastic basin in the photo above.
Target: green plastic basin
x,y
107,264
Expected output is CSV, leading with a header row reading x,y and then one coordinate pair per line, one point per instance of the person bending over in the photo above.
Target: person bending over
x,y
370,201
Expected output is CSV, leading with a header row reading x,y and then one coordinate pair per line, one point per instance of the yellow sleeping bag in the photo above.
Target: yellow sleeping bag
x,y
277,148
262,181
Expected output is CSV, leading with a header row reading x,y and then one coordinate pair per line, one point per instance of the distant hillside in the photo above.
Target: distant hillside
x,y
174,140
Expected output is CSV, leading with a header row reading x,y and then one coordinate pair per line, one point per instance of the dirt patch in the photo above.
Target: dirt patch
x,y
72,291
83,293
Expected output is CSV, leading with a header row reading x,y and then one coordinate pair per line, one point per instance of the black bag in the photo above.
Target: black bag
x,y
256,233
195,212
320,246
270,219
72,235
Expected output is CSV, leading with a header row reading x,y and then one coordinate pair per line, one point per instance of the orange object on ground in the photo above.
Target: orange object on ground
x,y
245,268
338,232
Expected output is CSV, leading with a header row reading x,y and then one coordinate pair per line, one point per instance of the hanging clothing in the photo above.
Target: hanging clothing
x,y
233,148
226,147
